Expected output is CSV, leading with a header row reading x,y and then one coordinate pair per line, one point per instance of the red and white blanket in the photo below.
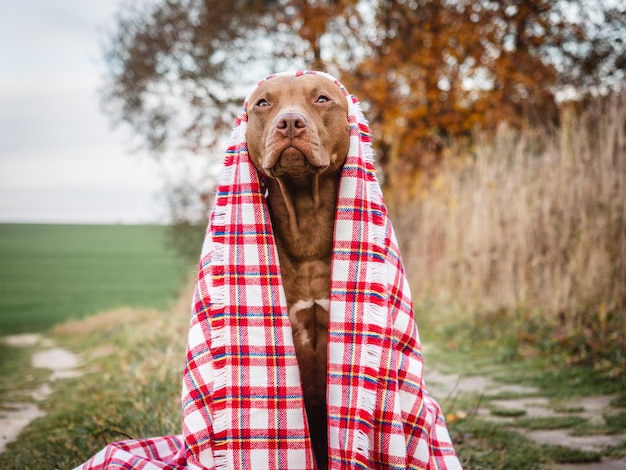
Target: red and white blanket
x,y
242,399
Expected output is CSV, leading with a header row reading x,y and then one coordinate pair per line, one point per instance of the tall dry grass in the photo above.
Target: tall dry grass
x,y
533,224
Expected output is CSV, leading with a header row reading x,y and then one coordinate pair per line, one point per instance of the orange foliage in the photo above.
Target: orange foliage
x,y
427,70
439,69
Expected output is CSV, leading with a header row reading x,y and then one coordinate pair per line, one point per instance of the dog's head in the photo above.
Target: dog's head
x,y
297,126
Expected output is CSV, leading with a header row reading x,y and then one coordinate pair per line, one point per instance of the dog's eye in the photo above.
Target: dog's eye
x,y
262,103
322,99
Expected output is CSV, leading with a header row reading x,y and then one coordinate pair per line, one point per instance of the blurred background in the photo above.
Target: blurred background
x,y
498,126
499,129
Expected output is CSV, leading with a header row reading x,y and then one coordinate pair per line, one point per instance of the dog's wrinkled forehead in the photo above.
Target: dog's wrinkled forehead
x,y
333,84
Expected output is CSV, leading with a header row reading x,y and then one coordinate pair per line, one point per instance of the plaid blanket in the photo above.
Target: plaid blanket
x,y
242,400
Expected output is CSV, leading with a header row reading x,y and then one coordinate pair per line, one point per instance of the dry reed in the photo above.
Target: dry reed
x,y
532,222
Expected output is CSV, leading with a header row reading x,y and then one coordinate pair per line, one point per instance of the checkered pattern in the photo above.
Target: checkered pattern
x,y
159,453
242,399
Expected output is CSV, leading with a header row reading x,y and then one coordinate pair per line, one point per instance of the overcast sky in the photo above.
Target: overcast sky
x,y
60,161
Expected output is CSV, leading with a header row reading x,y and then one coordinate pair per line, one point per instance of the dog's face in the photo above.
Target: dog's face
x,y
297,126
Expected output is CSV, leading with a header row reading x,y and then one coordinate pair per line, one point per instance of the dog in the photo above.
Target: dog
x,y
298,138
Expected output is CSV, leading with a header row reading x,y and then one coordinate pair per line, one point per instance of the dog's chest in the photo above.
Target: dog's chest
x,y
307,288
306,281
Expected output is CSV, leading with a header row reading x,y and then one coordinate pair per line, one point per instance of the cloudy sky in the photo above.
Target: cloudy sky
x,y
60,161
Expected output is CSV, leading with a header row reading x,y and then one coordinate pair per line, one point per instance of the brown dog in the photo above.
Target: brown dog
x,y
298,137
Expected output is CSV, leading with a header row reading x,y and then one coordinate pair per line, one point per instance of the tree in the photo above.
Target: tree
x,y
438,69
427,70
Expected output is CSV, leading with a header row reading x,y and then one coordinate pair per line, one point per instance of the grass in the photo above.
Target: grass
x,y
508,413
16,375
133,361
66,274
552,422
560,383
619,402
489,446
616,423
562,454
555,380
51,273
529,226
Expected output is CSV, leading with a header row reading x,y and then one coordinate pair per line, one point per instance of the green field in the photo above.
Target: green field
x,y
51,273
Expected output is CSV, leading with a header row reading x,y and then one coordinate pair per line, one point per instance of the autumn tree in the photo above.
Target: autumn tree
x,y
426,70
439,69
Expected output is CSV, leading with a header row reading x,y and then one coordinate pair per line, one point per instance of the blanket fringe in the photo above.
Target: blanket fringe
x,y
219,216
362,444
366,145
217,292
218,295
221,459
367,400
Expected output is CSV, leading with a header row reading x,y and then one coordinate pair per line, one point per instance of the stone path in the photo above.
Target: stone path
x,y
527,402
16,415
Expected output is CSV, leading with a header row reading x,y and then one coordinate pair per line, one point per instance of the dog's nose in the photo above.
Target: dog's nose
x,y
291,124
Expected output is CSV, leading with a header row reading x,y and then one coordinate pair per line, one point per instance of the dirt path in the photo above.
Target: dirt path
x,y
528,403
18,413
